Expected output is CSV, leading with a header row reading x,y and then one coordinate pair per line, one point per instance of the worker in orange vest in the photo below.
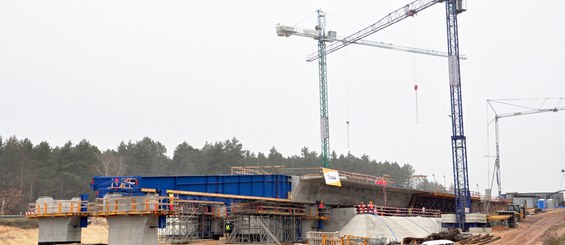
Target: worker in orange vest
x,y
321,207
371,207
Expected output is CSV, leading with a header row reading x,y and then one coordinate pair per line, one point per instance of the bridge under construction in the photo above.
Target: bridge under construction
x,y
252,205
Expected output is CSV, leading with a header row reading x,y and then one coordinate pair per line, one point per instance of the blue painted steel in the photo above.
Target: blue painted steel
x,y
458,139
84,208
84,201
272,186
162,221
83,222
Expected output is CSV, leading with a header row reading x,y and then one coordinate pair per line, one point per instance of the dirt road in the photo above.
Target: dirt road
x,y
533,228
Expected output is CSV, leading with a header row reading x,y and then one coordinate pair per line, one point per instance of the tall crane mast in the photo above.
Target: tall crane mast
x,y
324,36
322,73
458,139
497,135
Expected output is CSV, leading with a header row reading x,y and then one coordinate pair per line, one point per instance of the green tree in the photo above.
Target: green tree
x,y
145,157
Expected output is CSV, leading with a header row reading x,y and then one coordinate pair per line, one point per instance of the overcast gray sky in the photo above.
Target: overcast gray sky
x,y
197,71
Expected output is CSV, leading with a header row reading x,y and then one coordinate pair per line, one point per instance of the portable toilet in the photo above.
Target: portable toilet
x,y
550,203
541,203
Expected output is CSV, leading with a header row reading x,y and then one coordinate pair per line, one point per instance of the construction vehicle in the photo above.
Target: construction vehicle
x,y
514,214
520,211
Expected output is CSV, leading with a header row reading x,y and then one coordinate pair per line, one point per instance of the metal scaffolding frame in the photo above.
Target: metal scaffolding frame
x,y
266,222
191,221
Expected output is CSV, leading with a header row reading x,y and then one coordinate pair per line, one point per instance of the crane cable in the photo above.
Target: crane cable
x,y
560,147
305,18
415,67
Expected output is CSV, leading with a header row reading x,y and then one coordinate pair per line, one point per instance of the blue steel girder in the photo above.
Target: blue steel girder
x,y
458,140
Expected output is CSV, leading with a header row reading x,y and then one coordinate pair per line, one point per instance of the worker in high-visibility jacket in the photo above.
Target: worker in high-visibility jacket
x,y
228,228
371,207
171,201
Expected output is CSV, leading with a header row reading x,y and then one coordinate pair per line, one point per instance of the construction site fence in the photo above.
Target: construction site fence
x,y
401,212
333,238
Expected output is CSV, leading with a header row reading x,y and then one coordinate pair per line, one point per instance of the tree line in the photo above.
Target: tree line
x,y
28,171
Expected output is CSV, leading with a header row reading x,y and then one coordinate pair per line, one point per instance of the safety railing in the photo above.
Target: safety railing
x,y
251,170
400,212
57,208
350,176
137,205
268,208
369,179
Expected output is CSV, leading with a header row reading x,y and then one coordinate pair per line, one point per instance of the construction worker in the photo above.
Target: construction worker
x,y
321,208
362,207
371,207
171,201
228,227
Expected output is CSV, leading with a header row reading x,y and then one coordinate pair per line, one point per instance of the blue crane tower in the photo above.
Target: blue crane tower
x,y
458,139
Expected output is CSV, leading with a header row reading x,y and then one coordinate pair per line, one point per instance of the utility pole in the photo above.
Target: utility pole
x,y
348,149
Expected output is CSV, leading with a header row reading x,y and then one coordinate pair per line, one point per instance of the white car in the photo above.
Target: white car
x,y
439,242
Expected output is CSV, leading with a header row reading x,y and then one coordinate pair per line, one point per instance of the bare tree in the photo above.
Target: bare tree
x,y
111,164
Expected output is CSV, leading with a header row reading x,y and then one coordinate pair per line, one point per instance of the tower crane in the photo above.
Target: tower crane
x,y
496,132
322,36
458,139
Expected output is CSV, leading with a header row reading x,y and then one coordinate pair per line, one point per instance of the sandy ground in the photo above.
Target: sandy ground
x,y
534,229
96,232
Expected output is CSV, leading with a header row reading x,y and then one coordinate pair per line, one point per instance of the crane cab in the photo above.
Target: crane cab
x,y
460,6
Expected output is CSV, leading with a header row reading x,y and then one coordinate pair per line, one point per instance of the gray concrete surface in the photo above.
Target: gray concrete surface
x,y
310,189
132,229
59,230
393,228
339,218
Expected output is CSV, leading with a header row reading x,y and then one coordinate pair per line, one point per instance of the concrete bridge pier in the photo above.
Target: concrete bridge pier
x,y
59,220
59,230
132,229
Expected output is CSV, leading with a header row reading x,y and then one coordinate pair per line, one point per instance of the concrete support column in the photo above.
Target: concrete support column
x,y
59,230
132,229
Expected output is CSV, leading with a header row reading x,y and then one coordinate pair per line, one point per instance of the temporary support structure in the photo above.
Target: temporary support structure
x,y
266,222
191,220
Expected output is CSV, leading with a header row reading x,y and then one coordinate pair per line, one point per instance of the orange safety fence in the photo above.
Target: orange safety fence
x,y
141,205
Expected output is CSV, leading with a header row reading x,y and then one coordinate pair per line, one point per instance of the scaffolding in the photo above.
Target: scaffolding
x,y
191,220
266,222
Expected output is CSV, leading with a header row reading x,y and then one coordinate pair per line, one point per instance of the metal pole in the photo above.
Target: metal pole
x,y
348,149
